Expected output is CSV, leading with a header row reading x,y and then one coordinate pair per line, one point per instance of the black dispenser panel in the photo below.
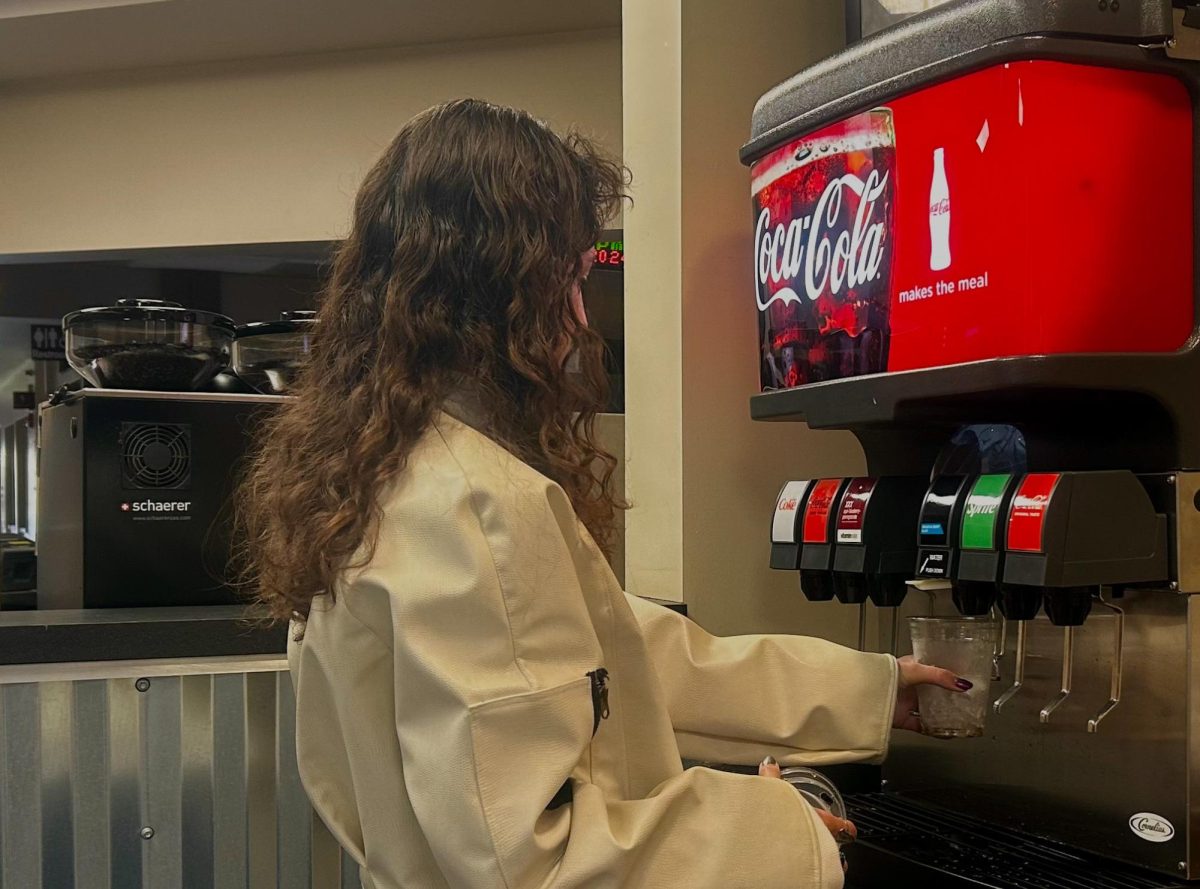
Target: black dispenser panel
x,y
785,525
1084,529
875,545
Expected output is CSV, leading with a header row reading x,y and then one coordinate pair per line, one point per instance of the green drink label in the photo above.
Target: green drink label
x,y
982,510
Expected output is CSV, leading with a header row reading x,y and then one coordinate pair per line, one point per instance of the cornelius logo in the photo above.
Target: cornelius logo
x,y
176,506
1151,827
812,244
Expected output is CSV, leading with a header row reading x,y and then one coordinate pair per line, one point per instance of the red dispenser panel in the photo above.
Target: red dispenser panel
x,y
1029,208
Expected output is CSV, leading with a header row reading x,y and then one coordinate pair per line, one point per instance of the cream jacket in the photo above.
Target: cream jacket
x,y
450,693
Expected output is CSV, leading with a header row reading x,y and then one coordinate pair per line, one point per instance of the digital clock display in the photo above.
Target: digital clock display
x,y
610,255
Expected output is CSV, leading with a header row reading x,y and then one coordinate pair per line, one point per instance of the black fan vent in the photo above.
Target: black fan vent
x,y
155,455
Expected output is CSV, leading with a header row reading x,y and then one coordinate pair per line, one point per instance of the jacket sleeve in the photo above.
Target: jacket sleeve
x,y
735,699
492,643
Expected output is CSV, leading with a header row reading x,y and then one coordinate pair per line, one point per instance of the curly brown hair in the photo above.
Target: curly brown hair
x,y
467,239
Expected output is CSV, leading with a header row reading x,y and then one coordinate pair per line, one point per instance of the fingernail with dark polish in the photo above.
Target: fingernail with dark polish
x,y
770,761
964,684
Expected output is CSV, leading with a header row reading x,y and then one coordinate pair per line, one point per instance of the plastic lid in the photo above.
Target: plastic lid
x,y
141,310
289,322
816,788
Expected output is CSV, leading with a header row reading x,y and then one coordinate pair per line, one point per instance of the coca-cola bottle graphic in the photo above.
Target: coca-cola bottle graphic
x,y
939,214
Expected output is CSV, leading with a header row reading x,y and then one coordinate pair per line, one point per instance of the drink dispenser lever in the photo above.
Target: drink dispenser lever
x,y
1065,690
1000,646
1018,668
1067,608
1114,694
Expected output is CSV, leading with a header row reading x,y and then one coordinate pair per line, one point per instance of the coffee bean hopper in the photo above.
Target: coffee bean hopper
x,y
974,248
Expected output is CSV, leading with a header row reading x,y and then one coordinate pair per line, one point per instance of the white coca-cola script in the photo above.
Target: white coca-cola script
x,y
829,258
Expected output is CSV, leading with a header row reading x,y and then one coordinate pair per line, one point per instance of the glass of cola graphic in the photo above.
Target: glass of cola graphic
x,y
823,235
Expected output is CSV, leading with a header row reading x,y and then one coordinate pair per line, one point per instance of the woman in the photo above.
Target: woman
x,y
478,703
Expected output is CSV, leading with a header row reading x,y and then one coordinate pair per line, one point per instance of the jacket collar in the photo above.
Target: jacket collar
x,y
465,405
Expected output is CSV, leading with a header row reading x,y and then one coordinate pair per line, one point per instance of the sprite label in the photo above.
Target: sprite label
x,y
981,511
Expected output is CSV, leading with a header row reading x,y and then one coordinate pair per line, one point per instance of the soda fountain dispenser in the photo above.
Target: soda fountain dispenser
x,y
975,249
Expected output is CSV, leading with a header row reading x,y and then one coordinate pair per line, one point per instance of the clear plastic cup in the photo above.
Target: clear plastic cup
x,y
965,646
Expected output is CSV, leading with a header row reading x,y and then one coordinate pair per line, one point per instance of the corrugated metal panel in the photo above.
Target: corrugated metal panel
x,y
182,781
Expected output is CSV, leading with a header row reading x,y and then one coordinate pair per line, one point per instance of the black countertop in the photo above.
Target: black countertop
x,y
48,637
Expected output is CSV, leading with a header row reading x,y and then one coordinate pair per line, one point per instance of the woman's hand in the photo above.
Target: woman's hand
x,y
843,829
913,674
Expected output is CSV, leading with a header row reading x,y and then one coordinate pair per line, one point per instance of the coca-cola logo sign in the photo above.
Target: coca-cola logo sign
x,y
824,205
818,249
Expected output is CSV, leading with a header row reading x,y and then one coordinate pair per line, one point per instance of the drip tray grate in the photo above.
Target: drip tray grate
x,y
979,853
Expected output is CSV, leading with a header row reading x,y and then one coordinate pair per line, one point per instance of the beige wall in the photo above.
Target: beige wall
x,y
690,318
650,34
259,151
610,433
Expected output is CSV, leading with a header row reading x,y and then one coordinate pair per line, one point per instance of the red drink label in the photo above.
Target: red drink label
x,y
853,512
1027,514
820,505
977,218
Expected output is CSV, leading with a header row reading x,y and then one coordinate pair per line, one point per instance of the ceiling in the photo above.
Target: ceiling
x,y
53,38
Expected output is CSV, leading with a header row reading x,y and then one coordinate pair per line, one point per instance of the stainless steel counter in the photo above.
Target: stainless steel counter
x,y
128,772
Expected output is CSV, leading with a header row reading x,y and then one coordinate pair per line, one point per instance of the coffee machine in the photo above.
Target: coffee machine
x,y
137,470
975,247
135,496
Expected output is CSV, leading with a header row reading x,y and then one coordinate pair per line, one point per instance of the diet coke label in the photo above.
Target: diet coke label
x,y
822,252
